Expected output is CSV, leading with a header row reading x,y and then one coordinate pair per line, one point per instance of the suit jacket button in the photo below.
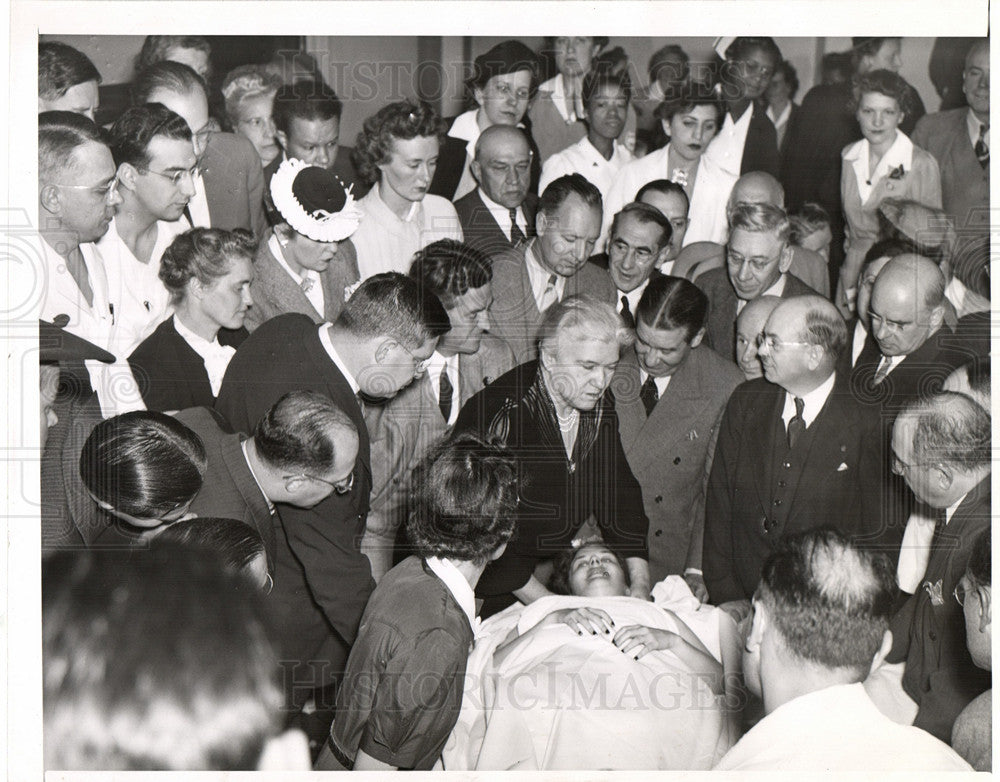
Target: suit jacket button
x,y
787,465
777,503
658,499
677,460
658,532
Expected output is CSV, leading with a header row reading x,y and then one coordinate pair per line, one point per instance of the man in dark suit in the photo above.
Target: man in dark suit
x,y
229,190
941,447
670,392
378,345
906,353
530,278
467,359
303,449
639,242
796,451
758,257
959,141
500,213
307,127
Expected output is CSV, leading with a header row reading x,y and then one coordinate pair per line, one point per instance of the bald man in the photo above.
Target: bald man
x,y
755,187
749,326
500,213
796,451
909,350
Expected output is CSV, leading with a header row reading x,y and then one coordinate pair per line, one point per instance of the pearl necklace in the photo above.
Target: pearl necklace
x,y
566,424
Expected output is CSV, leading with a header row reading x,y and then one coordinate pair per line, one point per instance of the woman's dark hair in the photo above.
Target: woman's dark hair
x,y
787,70
691,94
559,580
668,56
144,464
884,82
466,496
156,47
741,48
203,254
599,78
235,543
980,568
403,120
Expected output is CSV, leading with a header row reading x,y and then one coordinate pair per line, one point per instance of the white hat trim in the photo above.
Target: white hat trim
x,y
320,226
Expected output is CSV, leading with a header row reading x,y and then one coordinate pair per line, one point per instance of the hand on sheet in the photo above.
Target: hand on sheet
x,y
638,640
696,583
583,620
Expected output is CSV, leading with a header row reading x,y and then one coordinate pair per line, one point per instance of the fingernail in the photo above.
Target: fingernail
x,y
593,632
607,632
612,622
579,632
636,657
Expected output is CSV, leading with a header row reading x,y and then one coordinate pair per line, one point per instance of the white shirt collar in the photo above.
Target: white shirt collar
x,y
972,123
538,275
324,338
275,247
661,383
782,118
950,510
214,356
502,214
814,401
456,583
656,91
858,341
465,127
437,364
899,154
376,199
198,205
558,88
632,296
775,290
246,458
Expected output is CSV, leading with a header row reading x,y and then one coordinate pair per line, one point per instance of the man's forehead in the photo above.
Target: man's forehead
x,y
507,149
763,243
93,160
314,129
630,228
170,153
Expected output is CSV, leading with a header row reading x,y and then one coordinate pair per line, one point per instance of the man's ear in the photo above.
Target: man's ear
x,y
882,652
757,626
282,139
477,171
942,476
697,338
127,174
985,595
287,752
937,317
786,259
498,553
48,198
383,350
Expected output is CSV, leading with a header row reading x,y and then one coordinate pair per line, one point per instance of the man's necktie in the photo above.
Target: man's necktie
x,y
307,283
627,313
444,397
549,296
883,370
516,234
649,395
797,424
982,151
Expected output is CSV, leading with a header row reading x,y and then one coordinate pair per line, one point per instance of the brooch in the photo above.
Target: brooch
x,y
898,172
934,591
692,435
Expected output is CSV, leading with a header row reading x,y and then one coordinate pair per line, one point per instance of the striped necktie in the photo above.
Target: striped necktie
x,y
516,234
982,150
797,424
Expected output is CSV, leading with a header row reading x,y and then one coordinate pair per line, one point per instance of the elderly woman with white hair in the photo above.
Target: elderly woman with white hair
x,y
555,415
249,94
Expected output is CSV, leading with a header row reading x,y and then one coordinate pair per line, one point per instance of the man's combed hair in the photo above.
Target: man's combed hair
x,y
60,133
143,463
402,121
394,306
138,126
235,543
980,568
305,100
645,214
671,303
166,75
562,188
760,218
155,659
825,327
296,433
60,68
466,496
829,600
664,187
951,429
449,269
156,48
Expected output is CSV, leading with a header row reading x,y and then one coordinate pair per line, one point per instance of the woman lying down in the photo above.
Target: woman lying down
x,y
600,680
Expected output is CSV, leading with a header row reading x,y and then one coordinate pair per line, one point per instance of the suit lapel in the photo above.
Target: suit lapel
x,y
680,402
761,447
246,485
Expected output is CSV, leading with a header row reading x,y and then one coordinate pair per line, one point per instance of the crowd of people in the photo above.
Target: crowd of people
x,y
691,346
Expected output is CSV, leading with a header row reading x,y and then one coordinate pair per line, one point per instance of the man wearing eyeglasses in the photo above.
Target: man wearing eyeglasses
x,y
77,197
302,450
758,258
229,182
156,163
795,452
941,448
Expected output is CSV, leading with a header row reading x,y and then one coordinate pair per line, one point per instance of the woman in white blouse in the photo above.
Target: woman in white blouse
x,y
598,156
208,273
691,120
398,151
884,163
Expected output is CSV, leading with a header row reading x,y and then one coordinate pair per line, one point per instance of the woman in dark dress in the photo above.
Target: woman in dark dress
x,y
181,364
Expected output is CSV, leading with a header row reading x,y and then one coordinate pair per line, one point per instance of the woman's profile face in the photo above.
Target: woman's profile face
x,y
692,131
309,253
226,300
879,117
256,124
595,572
411,167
